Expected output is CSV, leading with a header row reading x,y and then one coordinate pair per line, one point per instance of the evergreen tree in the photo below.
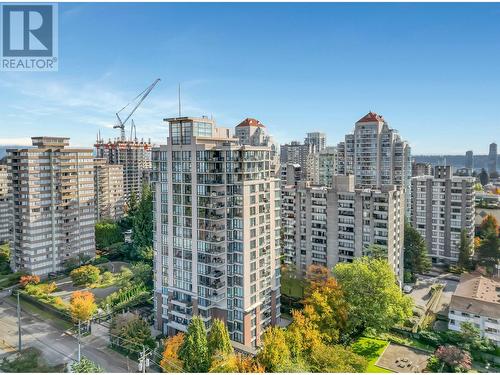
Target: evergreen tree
x,y
219,342
465,251
489,250
416,259
142,229
194,349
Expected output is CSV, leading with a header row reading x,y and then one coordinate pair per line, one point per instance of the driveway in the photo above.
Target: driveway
x,y
421,292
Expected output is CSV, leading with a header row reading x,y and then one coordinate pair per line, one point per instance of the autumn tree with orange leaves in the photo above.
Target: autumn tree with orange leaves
x,y
82,305
170,361
29,279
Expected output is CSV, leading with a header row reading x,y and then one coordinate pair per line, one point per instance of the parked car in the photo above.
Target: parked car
x,y
407,288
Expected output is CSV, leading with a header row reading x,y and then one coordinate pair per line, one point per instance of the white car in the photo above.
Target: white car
x,y
407,289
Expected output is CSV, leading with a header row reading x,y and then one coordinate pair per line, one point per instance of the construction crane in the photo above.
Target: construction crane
x,y
121,123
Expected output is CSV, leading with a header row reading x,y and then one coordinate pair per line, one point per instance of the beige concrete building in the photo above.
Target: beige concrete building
x,y
441,206
477,300
324,226
217,230
134,156
5,207
53,204
110,199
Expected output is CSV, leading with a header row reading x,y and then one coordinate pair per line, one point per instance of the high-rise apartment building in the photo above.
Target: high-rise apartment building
x,y
317,140
442,206
53,204
421,169
109,200
216,229
134,156
376,155
5,207
324,226
297,153
379,156
469,160
492,158
327,166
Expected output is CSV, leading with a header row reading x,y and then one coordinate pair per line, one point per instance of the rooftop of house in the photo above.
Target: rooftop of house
x,y
250,122
478,295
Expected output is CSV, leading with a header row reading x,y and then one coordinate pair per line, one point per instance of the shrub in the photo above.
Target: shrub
x,y
85,275
29,279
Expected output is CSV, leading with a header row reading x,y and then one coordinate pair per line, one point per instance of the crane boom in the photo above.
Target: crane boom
x,y
142,96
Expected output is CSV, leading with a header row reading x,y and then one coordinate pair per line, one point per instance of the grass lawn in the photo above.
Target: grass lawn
x,y
371,349
43,314
409,341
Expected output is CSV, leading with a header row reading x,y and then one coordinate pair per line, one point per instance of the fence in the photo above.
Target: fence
x,y
45,306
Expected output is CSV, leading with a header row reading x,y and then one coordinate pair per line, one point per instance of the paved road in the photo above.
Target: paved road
x,y
56,345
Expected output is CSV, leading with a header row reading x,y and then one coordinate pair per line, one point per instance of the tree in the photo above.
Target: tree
x,y
218,339
376,251
5,258
336,358
82,305
142,229
374,299
449,358
142,273
489,250
478,187
465,251
316,277
488,225
303,334
416,259
194,349
29,280
107,233
133,333
85,366
170,361
483,177
274,354
85,275
326,307
235,363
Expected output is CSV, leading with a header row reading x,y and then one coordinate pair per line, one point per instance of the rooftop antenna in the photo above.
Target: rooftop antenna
x,y
179,95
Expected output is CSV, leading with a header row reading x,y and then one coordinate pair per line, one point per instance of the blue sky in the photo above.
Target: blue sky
x,y
432,70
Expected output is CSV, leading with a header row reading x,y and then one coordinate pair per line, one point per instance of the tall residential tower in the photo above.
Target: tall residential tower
x,y
53,204
216,229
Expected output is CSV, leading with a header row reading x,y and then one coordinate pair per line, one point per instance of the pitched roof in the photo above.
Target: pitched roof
x,y
477,294
251,122
371,117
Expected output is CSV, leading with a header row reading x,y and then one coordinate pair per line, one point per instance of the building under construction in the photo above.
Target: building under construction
x,y
133,155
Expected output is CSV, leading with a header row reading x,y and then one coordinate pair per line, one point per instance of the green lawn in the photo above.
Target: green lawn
x,y
371,349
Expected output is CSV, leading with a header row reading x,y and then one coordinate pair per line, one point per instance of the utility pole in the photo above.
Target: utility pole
x,y
19,321
79,348
143,360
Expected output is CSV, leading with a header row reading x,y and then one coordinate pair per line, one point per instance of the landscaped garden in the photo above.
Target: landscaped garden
x,y
113,286
371,349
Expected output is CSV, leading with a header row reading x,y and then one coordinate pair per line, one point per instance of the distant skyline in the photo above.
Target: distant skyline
x,y
430,69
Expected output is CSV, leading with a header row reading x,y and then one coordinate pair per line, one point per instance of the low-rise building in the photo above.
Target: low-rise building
x,y
477,300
